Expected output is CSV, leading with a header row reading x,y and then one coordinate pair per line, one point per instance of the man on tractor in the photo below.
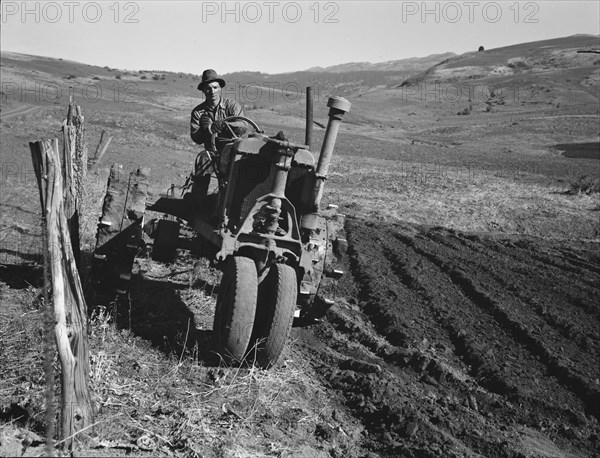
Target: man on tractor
x,y
207,124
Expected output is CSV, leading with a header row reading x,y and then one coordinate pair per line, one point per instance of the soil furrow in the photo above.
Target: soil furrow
x,y
577,261
450,346
488,374
545,270
523,294
385,320
586,391
550,265
589,394
404,415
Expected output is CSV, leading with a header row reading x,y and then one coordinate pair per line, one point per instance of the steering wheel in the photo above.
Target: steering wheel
x,y
243,118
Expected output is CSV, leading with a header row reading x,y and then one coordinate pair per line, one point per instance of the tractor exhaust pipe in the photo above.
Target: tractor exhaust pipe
x,y
309,117
337,107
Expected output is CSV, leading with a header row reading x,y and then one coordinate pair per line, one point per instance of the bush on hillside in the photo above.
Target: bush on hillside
x,y
585,184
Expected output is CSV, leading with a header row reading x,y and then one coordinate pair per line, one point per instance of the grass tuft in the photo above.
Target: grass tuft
x,y
585,184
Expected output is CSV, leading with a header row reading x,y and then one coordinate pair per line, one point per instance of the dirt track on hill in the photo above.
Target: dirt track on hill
x,y
450,344
21,111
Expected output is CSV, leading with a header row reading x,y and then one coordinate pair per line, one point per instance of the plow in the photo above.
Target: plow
x,y
265,228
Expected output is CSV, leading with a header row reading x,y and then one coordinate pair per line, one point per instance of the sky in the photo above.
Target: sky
x,y
278,36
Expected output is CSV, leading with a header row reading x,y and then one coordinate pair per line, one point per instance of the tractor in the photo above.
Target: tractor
x,y
267,232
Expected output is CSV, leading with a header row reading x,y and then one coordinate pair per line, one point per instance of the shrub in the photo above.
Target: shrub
x,y
517,64
585,184
481,48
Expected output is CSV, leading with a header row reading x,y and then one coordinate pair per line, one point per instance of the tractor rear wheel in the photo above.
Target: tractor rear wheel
x,y
236,308
277,296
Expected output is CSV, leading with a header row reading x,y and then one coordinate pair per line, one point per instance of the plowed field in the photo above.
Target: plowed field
x,y
455,344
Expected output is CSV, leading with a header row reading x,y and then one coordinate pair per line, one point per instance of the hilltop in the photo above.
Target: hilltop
x,y
539,57
413,64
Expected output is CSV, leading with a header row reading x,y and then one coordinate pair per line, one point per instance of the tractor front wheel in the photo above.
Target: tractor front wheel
x,y
277,296
236,308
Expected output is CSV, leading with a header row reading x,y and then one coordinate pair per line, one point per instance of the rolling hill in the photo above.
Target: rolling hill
x,y
413,64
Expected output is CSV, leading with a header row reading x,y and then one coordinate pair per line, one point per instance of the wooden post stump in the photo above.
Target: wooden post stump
x,y
120,227
74,167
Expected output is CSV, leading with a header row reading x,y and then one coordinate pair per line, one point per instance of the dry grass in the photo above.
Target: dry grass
x,y
150,403
178,406
22,386
461,198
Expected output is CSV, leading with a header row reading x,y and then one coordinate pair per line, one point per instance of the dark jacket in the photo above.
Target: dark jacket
x,y
203,117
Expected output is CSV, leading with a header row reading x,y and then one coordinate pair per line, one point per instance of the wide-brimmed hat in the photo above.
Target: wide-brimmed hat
x,y
208,76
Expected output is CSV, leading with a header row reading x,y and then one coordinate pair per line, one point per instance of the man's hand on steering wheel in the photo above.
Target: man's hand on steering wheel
x,y
228,125
225,127
217,126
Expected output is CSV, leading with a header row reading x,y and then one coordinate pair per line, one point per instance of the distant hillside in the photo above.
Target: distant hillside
x,y
533,57
356,78
554,64
26,71
343,82
348,79
414,64
556,50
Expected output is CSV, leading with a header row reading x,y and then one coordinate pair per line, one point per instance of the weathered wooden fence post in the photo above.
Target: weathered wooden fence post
x,y
74,165
70,311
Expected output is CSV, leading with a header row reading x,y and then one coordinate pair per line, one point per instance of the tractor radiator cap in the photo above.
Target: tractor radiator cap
x,y
339,103
304,157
